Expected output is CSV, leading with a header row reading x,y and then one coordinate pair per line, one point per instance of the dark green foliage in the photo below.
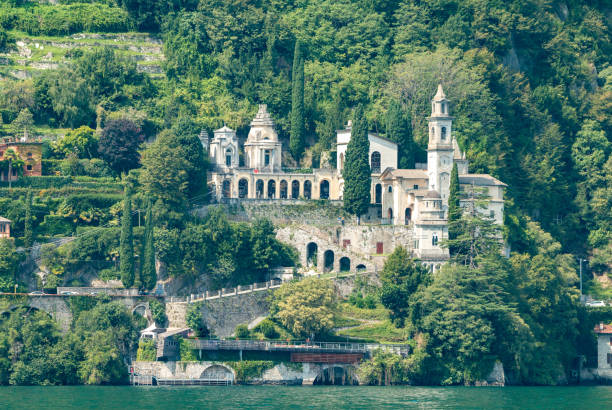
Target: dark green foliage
x,y
158,311
33,351
401,277
268,329
119,144
454,207
296,142
242,332
148,275
9,261
195,320
399,130
126,244
64,19
28,234
356,172
147,350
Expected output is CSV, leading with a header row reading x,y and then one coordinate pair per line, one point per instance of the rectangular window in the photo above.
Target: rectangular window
x,y
267,158
609,358
379,248
611,341
415,187
492,214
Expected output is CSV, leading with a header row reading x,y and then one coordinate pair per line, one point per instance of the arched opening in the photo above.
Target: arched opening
x,y
390,214
375,162
407,216
271,188
217,372
243,188
443,135
378,194
295,189
226,188
345,264
360,268
283,189
259,188
307,189
324,187
336,375
140,310
390,189
328,259
311,254
228,157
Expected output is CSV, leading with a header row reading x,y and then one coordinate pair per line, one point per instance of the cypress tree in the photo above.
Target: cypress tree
x,y
126,244
400,131
28,234
454,207
148,273
356,171
296,140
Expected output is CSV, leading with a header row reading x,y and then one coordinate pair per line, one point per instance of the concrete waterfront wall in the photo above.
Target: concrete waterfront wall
x,y
281,373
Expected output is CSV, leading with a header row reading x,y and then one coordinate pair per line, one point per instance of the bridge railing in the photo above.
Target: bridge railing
x,y
302,346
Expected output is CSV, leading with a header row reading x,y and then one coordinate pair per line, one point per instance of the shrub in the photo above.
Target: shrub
x,y
158,311
109,274
250,369
195,320
242,332
187,354
147,350
268,329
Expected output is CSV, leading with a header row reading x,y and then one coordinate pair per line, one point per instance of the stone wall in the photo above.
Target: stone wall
x,y
57,307
224,314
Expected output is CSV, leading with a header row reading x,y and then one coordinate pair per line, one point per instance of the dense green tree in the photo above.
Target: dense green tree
x,y
399,130
296,142
126,244
148,277
14,162
28,234
305,307
356,171
455,211
119,143
195,320
23,122
83,142
9,261
401,277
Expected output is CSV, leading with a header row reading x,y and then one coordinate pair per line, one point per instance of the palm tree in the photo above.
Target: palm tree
x,y
13,159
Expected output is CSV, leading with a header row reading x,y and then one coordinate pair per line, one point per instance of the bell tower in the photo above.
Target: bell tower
x,y
440,147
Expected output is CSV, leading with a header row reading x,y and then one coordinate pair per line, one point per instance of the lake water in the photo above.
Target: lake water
x,y
326,397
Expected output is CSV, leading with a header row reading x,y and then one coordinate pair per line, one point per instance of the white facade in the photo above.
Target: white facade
x,y
262,150
223,149
415,198
383,151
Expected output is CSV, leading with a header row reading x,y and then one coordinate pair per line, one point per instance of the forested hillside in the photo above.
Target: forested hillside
x,y
530,84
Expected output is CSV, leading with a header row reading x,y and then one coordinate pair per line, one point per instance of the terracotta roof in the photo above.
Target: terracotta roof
x,y
603,329
407,173
480,180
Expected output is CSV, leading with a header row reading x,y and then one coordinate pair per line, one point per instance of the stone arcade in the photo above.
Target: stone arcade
x,y
416,198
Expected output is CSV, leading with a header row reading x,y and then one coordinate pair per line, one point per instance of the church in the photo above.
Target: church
x,y
409,197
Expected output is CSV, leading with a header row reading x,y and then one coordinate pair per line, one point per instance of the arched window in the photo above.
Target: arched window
x,y
390,189
271,189
226,188
407,216
375,162
228,157
378,194
295,189
324,189
443,136
243,188
259,188
434,239
283,189
307,189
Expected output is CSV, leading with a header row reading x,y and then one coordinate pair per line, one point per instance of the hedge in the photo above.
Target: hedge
x,y
65,19
49,181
